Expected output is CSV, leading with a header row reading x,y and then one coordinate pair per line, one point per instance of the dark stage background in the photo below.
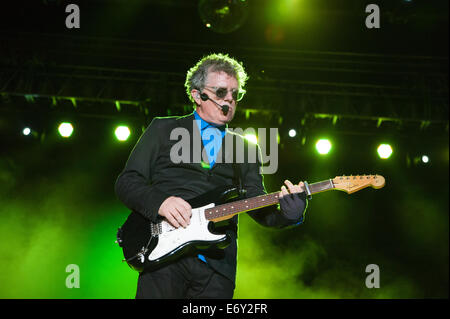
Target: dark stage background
x,y
314,66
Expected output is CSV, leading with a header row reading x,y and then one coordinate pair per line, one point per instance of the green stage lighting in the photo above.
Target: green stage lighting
x,y
323,146
223,16
65,129
425,159
122,133
384,151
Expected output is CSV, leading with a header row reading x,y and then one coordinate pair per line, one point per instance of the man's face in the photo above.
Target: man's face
x,y
208,110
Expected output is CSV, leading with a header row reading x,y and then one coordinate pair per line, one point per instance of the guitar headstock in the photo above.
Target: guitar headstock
x,y
351,184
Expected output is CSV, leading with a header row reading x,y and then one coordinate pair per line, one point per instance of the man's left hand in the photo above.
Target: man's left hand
x,y
292,188
292,200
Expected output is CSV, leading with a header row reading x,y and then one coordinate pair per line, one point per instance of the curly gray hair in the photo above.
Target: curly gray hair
x,y
216,62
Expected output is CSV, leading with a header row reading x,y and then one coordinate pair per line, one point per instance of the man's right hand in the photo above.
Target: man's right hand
x,y
177,211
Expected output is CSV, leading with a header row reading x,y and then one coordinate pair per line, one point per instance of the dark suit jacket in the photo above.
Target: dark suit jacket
x,y
150,176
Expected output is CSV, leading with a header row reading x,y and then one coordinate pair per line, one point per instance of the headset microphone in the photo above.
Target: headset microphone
x,y
224,107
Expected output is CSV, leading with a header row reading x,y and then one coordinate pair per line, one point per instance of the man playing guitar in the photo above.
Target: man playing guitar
x,y
155,187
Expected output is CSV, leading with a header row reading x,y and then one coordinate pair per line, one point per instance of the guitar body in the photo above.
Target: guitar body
x,y
148,245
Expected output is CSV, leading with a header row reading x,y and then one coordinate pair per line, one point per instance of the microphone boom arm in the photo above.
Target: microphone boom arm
x,y
224,107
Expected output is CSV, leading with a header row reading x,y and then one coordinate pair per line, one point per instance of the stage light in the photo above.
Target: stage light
x,y
292,133
223,16
122,133
65,129
323,146
425,159
252,138
26,131
384,151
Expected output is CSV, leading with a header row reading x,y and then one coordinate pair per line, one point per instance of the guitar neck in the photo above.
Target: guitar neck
x,y
226,211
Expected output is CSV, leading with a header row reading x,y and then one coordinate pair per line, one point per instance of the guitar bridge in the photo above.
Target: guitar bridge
x,y
155,229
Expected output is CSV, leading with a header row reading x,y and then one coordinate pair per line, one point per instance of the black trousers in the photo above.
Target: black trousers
x,y
188,277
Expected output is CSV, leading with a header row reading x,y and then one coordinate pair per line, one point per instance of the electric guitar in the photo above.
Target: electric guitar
x,y
147,245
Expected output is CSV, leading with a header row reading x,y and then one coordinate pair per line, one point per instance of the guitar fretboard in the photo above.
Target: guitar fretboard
x,y
224,211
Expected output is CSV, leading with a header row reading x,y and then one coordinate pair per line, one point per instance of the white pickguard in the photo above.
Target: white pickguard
x,y
171,238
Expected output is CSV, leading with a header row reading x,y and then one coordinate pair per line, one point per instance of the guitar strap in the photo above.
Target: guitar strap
x,y
237,182
237,177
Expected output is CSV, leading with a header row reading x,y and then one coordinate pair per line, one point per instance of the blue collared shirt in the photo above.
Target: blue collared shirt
x,y
212,136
